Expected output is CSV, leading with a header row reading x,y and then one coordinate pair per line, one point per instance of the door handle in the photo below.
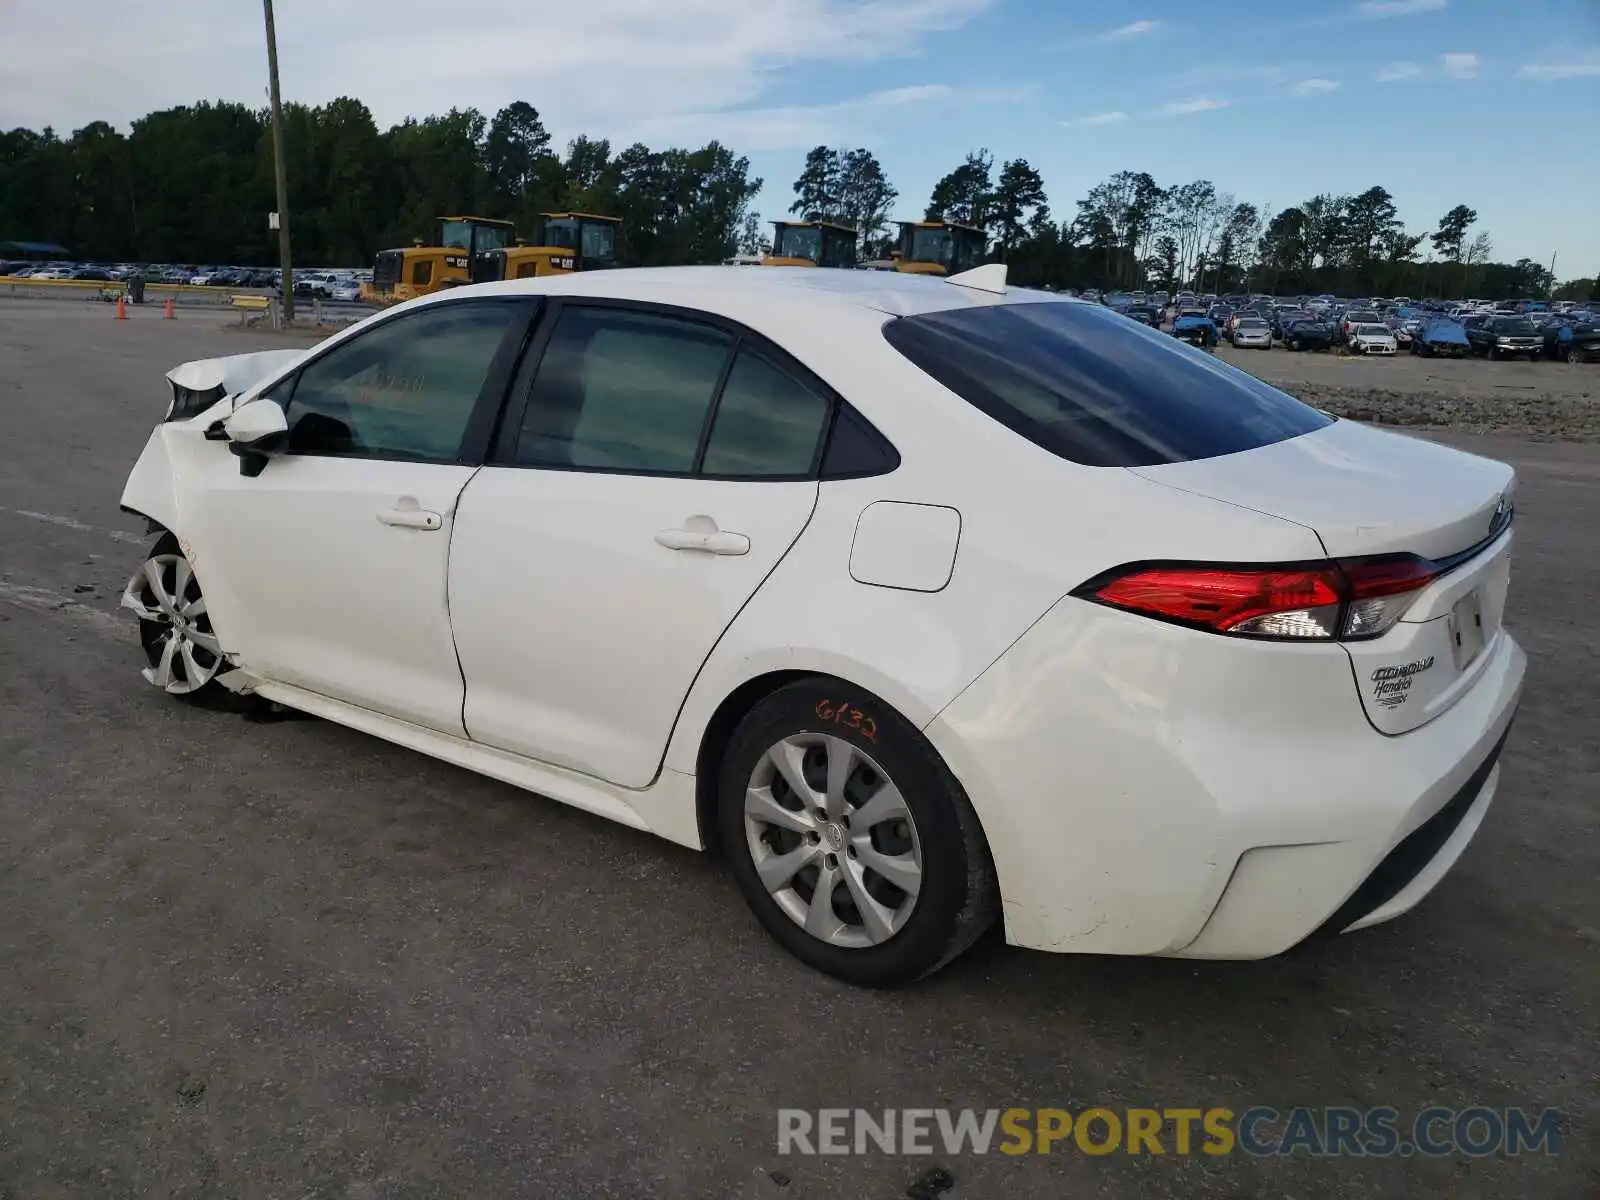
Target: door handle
x,y
702,534
411,518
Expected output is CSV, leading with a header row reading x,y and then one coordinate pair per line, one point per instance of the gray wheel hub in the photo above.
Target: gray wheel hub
x,y
174,625
832,840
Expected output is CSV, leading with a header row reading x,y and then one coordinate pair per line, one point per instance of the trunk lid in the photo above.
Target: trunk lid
x,y
1365,491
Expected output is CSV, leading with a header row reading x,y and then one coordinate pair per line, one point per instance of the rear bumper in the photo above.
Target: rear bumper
x,y
1147,789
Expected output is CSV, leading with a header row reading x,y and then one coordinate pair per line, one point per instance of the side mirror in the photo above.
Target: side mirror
x,y
255,431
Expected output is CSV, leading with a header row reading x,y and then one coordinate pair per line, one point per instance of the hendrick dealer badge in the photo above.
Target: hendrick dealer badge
x,y
1391,686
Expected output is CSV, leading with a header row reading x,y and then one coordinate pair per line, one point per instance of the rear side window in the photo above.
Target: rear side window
x,y
1095,388
768,423
622,391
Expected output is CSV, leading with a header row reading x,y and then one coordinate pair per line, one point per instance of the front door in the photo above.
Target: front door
x,y
333,559
660,471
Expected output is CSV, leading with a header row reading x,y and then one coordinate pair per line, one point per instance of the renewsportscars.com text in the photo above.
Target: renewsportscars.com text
x,y
1259,1131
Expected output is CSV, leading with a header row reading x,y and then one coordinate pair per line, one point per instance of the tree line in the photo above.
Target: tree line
x,y
194,184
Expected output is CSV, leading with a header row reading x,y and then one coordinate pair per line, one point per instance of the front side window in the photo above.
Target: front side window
x,y
1095,388
404,390
618,390
768,423
422,271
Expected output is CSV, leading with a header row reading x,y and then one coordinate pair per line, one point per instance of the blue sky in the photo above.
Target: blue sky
x,y
1490,103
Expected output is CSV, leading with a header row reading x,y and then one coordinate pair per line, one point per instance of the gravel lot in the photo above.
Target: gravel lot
x,y
287,960
1534,400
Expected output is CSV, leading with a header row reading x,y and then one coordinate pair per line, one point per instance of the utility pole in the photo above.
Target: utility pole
x,y
280,167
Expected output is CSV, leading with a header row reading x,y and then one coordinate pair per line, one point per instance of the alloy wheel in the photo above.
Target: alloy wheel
x,y
174,626
832,840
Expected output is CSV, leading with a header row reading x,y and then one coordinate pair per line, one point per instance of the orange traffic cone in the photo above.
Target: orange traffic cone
x,y
167,313
122,308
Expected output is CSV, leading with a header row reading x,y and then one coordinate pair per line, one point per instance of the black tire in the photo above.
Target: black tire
x,y
958,898
210,694
1493,353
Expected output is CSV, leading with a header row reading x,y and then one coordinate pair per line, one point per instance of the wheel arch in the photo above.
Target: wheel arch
x,y
714,739
707,739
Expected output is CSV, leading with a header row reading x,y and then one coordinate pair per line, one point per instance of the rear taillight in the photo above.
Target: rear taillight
x,y
1349,600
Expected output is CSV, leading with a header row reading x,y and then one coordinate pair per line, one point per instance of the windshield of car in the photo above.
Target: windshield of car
x,y
1252,323
1094,389
1516,327
1372,330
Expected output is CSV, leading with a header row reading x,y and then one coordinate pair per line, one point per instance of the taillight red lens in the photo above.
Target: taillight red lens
x,y
1359,598
1233,599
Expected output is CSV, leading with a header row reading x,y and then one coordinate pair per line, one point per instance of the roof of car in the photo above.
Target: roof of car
x,y
726,288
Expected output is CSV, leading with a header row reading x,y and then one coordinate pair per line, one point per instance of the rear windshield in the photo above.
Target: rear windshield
x,y
1095,388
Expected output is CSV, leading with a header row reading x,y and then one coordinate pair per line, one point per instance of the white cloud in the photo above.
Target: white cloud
x,y
1125,33
1105,118
1559,70
1378,9
1312,87
1396,71
1199,104
610,68
794,127
1460,66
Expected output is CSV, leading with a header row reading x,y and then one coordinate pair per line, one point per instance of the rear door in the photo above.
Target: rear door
x,y
656,468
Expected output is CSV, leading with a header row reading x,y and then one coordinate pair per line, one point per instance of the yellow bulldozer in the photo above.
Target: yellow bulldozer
x,y
567,241
811,244
481,249
416,270
939,247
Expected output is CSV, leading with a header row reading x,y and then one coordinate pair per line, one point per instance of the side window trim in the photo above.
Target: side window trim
x,y
492,397
502,451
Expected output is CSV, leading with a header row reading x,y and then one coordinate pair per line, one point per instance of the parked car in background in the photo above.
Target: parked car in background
x,y
1192,325
1441,336
1251,331
1351,317
1283,317
347,291
1504,337
1571,338
1145,314
1372,337
1310,333
1402,325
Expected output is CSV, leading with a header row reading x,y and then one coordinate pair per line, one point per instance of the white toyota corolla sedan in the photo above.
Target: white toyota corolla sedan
x,y
927,601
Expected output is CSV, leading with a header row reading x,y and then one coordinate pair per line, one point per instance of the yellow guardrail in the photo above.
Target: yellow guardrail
x,y
112,288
